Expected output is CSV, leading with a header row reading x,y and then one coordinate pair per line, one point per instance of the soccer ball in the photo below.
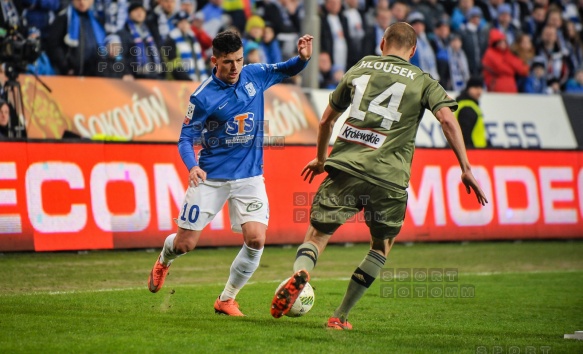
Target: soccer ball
x,y
304,302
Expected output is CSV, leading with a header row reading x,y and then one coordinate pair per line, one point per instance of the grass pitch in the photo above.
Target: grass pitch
x,y
517,298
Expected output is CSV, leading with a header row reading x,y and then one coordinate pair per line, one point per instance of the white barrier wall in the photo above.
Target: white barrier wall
x,y
512,121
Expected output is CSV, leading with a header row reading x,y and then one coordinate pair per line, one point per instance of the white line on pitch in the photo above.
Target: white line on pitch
x,y
265,282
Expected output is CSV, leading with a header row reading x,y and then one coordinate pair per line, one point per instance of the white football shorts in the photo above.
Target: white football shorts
x,y
247,202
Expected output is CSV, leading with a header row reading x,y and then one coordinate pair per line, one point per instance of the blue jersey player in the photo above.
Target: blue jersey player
x,y
225,115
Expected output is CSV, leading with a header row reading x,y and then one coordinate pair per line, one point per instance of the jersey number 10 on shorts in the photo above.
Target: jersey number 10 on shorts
x,y
192,213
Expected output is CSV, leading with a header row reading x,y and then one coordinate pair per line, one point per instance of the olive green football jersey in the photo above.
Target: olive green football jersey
x,y
388,97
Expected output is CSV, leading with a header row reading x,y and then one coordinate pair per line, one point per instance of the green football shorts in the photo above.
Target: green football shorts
x,y
342,195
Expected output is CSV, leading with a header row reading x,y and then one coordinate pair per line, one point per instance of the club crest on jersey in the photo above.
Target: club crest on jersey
x,y
250,89
240,124
189,113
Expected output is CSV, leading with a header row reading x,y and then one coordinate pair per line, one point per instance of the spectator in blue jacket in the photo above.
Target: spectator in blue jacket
x,y
536,82
459,16
270,45
39,14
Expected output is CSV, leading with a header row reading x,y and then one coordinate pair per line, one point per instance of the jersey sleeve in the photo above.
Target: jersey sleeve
x,y
435,98
275,73
341,98
191,131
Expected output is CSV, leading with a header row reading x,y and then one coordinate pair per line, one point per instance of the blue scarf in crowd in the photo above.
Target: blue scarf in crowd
x,y
195,67
458,68
74,24
164,22
113,13
147,46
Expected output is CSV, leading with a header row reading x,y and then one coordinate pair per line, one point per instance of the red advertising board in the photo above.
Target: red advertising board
x,y
64,196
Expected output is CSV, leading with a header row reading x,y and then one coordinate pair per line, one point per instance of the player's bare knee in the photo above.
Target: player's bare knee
x,y
254,235
255,241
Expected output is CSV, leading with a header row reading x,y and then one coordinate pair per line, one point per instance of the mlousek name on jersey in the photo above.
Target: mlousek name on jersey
x,y
388,68
363,136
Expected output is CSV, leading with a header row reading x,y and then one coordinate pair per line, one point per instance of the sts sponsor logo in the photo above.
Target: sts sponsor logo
x,y
241,124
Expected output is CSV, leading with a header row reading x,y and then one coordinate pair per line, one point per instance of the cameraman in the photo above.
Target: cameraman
x,y
20,44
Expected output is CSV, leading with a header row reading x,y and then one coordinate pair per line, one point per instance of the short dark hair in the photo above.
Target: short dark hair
x,y
226,42
537,63
400,35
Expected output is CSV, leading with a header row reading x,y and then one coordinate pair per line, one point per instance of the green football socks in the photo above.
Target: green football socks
x,y
362,278
306,257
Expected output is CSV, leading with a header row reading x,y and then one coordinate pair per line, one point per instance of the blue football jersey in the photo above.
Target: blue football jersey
x,y
227,119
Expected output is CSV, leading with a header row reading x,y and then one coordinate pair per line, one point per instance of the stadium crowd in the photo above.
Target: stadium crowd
x,y
516,45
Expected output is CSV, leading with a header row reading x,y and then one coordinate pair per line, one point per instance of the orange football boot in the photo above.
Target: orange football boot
x,y
335,323
157,276
288,293
229,307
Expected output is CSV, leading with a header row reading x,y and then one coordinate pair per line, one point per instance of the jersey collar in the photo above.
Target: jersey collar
x,y
397,57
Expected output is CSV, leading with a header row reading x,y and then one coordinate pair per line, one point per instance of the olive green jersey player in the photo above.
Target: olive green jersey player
x,y
388,96
370,163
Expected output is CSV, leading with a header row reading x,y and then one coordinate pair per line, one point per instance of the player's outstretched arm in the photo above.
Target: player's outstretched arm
x,y
295,65
316,166
453,134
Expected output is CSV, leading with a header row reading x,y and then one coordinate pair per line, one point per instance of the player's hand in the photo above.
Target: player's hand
x,y
196,173
305,47
312,169
471,184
